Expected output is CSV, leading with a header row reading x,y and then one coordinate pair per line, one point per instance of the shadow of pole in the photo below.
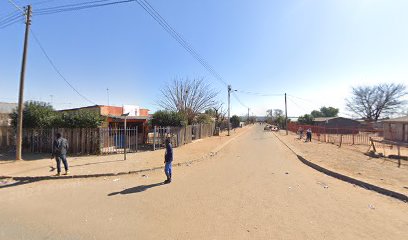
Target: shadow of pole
x,y
136,189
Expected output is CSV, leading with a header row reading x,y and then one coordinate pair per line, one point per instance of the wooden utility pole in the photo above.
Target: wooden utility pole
x,y
19,138
286,116
229,96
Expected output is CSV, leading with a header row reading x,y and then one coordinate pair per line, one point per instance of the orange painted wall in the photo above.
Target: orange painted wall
x,y
144,112
111,110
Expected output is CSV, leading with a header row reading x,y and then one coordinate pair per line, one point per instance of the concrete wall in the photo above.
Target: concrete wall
x,y
396,132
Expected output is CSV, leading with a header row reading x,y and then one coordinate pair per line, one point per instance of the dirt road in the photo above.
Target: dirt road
x,y
255,188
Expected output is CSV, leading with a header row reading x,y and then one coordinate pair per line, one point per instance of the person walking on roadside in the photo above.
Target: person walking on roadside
x,y
59,152
309,135
168,159
300,131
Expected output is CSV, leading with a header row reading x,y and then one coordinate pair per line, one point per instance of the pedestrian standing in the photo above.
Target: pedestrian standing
x,y
59,152
300,131
168,159
309,135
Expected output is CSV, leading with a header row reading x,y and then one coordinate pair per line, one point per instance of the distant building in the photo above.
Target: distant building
x,y
396,129
5,110
338,125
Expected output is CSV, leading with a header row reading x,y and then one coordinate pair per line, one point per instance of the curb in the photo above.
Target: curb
x,y
362,184
187,163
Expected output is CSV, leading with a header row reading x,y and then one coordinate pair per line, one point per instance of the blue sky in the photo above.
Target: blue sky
x,y
314,50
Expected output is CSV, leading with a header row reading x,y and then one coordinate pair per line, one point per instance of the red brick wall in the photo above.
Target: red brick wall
x,y
111,110
144,112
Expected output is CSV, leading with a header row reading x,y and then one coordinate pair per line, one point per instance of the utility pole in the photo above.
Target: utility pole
x,y
125,115
286,116
229,96
19,137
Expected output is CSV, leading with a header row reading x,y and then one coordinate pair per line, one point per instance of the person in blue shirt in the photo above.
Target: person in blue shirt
x,y
168,159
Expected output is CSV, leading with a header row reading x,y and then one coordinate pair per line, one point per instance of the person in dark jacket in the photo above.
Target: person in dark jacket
x,y
309,135
168,159
59,152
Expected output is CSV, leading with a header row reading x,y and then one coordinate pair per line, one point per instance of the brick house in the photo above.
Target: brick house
x,y
138,117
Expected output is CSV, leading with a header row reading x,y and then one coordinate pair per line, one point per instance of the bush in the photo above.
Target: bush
x,y
42,115
168,118
235,120
204,118
35,115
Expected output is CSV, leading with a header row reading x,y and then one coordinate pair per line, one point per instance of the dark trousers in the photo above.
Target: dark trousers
x,y
308,137
62,158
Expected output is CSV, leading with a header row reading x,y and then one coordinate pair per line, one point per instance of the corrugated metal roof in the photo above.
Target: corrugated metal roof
x,y
129,117
323,119
399,119
7,107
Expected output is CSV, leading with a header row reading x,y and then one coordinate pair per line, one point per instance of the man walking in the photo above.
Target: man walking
x,y
309,135
168,159
60,148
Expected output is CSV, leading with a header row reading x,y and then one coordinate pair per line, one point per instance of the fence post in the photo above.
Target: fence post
x,y
353,139
154,138
341,139
137,137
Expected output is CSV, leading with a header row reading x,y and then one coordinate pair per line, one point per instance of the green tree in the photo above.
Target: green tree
x,y
35,115
168,118
329,111
42,115
316,114
204,118
235,120
78,119
306,119
325,112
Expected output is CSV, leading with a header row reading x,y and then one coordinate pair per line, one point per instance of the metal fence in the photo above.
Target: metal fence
x,y
114,140
178,135
352,136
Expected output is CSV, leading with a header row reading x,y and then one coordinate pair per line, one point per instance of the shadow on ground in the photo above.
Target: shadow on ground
x,y
136,189
5,184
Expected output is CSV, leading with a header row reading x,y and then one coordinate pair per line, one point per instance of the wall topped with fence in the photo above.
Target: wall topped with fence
x,y
352,136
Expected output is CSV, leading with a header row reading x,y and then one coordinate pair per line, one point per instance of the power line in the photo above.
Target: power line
x,y
292,100
11,22
261,94
173,33
16,6
240,102
78,6
57,70
308,102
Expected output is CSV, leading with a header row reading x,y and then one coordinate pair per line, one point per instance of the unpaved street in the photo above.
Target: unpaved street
x,y
255,188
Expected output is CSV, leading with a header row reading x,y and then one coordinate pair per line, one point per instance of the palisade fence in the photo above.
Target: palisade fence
x,y
351,136
85,141
82,141
179,135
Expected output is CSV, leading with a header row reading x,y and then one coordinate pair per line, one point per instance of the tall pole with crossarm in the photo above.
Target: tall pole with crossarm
x,y
19,137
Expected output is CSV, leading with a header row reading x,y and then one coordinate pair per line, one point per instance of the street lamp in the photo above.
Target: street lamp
x,y
125,140
229,107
